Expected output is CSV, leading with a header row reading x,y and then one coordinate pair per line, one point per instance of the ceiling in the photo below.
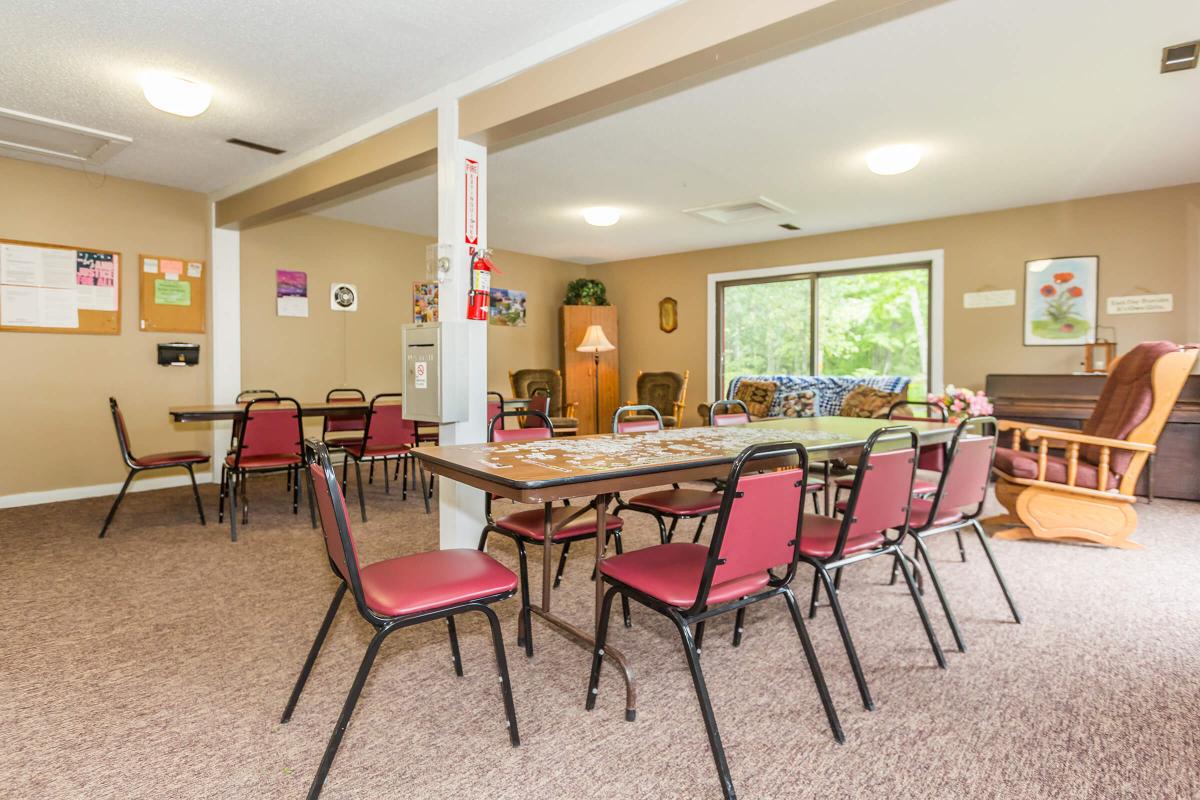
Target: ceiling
x,y
1014,103
287,73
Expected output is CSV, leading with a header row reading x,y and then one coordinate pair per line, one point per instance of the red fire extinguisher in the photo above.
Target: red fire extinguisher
x,y
479,298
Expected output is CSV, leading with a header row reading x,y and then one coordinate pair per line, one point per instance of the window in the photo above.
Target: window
x,y
862,322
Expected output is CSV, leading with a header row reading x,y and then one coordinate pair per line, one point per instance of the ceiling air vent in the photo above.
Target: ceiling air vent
x,y
788,226
27,134
1180,56
262,148
730,213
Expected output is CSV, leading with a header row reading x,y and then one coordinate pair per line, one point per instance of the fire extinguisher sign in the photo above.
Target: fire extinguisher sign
x,y
472,198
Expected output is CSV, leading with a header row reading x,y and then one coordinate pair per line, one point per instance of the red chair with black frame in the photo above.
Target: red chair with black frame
x,y
529,526
757,532
387,435
398,593
957,504
187,459
875,518
675,503
342,429
932,457
270,438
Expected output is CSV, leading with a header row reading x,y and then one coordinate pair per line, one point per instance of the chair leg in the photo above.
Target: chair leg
x,y
941,593
598,650
345,466
837,578
524,637
699,640
916,596
313,652
816,595
455,655
221,492
510,711
692,650
814,666
364,669
699,530
562,563
312,503
112,512
424,490
362,502
371,474
671,530
844,630
387,483
987,549
234,483
816,503
196,494
624,600
738,626
295,492
662,528
962,552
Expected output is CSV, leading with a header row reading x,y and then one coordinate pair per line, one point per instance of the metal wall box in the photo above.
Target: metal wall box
x,y
435,371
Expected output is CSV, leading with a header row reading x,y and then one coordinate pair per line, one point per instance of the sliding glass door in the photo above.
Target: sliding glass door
x,y
860,323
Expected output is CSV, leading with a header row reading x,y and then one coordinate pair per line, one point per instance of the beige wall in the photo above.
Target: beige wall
x,y
1147,242
57,428
307,357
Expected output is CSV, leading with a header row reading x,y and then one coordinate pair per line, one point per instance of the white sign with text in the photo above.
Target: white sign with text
x,y
1141,304
992,299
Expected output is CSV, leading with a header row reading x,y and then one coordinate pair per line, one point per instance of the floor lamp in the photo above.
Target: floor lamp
x,y
595,342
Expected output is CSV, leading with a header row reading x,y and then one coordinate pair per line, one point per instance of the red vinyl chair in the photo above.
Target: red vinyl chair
x,y
529,526
187,459
873,523
397,593
932,457
675,503
957,504
539,403
343,429
387,435
752,557
495,405
269,440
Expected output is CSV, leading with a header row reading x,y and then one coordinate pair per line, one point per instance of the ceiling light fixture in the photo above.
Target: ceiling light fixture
x,y
602,216
894,159
176,95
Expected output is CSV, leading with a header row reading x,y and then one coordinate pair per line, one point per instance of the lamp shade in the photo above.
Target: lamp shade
x,y
594,341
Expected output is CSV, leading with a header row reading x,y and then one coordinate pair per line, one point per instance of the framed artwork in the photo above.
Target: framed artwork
x,y
508,308
1061,297
425,301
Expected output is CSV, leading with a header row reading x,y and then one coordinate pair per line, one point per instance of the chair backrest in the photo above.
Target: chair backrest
x,y
270,426
386,425
758,526
122,431
498,433
353,422
526,382
637,425
964,483
932,456
720,418
246,395
539,402
1136,399
335,522
495,405
661,390
881,496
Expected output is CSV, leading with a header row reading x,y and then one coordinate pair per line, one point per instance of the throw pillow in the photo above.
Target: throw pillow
x,y
800,404
757,395
867,401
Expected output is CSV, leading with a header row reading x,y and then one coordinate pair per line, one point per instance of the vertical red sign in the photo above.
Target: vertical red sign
x,y
472,199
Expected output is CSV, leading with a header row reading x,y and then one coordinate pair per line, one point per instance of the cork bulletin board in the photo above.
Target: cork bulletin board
x,y
55,288
171,294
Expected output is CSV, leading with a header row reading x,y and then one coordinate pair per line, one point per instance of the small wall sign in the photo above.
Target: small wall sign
x,y
1141,304
992,299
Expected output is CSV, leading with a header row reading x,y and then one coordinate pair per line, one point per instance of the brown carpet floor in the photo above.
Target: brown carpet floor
x,y
155,664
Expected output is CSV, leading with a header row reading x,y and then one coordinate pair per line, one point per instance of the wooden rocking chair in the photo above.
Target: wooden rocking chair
x,y
1086,494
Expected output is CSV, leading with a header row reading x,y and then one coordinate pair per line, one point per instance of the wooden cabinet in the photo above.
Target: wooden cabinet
x,y
1066,401
578,384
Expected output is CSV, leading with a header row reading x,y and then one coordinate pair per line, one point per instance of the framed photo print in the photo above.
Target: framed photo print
x,y
1061,299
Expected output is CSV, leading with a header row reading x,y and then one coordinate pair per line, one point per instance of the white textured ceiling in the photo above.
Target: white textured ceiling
x,y
287,73
1016,103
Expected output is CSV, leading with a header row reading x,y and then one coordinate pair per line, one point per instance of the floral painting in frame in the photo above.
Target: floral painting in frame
x,y
1061,300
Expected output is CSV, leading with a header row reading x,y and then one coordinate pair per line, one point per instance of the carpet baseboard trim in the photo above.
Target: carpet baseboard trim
x,y
98,490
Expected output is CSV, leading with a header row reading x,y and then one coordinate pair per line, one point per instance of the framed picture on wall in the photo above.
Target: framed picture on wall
x,y
1061,300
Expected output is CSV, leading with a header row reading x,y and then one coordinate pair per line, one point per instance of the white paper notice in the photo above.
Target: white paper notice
x,y
19,306
59,308
150,265
20,265
992,299
58,268
291,306
194,269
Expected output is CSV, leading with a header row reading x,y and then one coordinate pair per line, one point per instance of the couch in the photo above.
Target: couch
x,y
813,395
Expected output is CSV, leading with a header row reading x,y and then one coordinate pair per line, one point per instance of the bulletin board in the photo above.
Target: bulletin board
x,y
55,288
171,294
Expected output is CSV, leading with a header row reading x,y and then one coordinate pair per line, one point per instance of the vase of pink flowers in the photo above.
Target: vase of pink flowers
x,y
961,402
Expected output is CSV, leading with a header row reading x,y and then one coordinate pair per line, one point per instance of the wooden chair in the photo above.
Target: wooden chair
x,y
1087,494
663,390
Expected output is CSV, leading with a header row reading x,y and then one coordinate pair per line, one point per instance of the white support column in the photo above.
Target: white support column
x,y
225,279
460,506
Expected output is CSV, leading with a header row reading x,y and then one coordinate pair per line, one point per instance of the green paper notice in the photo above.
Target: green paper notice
x,y
172,293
